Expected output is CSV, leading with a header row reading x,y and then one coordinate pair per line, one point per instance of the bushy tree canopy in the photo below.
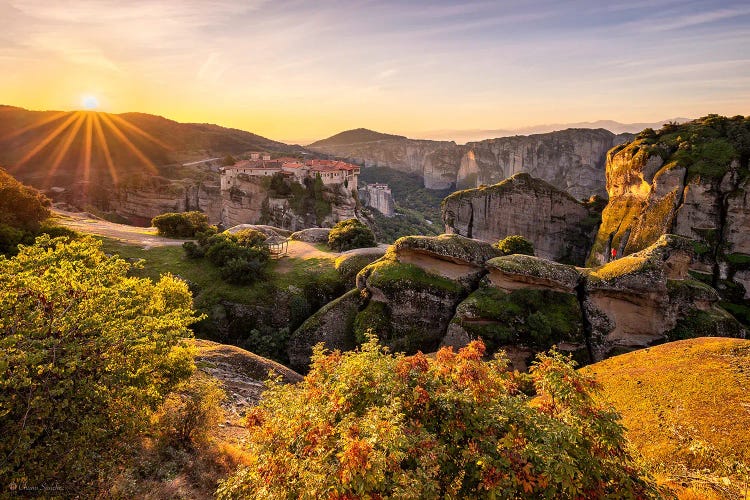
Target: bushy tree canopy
x,y
515,244
181,225
349,234
21,206
22,210
86,354
241,256
367,424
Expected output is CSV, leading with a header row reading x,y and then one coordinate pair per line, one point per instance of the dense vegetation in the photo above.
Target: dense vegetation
x,y
350,234
22,210
706,147
181,225
241,256
310,197
258,316
87,353
515,244
372,424
405,222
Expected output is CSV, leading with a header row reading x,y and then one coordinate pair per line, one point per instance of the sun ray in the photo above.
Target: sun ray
x,y
99,132
44,142
113,127
72,133
87,145
122,121
34,125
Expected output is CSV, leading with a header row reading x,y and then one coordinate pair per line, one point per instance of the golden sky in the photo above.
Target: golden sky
x,y
298,71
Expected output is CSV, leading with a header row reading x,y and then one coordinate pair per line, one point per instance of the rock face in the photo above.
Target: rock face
x,y
689,179
379,197
560,227
431,291
249,202
571,159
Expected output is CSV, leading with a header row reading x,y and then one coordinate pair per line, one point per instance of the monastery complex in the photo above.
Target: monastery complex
x,y
261,165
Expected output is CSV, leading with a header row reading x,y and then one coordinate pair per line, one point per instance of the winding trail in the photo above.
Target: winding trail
x,y
87,223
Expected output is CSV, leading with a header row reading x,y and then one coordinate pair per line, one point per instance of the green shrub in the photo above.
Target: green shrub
x,y
87,354
21,207
241,257
190,413
192,250
349,234
181,225
242,271
368,424
515,244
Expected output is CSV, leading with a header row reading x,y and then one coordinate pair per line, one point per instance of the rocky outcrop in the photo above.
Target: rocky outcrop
x,y
560,227
431,291
333,324
571,159
689,179
312,235
242,374
379,197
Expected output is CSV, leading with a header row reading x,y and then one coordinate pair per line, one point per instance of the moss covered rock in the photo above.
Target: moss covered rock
x,y
332,325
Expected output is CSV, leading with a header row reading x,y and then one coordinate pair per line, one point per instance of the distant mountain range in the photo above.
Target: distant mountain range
x,y
462,136
471,135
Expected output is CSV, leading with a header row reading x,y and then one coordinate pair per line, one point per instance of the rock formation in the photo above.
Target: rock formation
x,y
379,197
560,227
571,159
689,179
446,290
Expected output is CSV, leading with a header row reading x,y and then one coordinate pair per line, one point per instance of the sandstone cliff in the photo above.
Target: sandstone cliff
x,y
571,159
560,227
446,290
689,179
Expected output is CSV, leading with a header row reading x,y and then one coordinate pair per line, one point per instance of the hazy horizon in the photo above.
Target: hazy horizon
x,y
295,71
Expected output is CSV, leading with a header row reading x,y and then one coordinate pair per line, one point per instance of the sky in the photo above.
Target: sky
x,y
298,71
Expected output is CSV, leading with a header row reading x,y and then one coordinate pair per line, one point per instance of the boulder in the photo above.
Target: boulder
x,y
312,235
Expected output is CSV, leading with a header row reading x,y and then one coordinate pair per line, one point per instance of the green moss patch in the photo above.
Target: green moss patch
x,y
534,318
394,277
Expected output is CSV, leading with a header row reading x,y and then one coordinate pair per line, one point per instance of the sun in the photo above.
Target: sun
x,y
90,102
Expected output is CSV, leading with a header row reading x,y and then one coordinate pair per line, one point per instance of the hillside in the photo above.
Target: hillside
x,y
353,137
686,408
54,148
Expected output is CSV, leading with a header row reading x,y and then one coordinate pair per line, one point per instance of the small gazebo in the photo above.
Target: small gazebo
x,y
277,245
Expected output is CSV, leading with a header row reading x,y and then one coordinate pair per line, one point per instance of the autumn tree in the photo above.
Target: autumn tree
x,y
368,424
87,353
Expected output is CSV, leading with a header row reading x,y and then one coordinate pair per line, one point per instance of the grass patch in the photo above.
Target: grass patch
x,y
685,407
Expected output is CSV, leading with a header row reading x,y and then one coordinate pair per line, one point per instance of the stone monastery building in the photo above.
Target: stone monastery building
x,y
330,171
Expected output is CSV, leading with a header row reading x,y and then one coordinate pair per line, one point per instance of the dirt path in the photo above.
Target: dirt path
x,y
89,224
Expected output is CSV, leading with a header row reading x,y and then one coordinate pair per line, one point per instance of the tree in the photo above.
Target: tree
x,y
21,207
22,210
228,161
515,245
368,424
86,355
182,224
349,234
